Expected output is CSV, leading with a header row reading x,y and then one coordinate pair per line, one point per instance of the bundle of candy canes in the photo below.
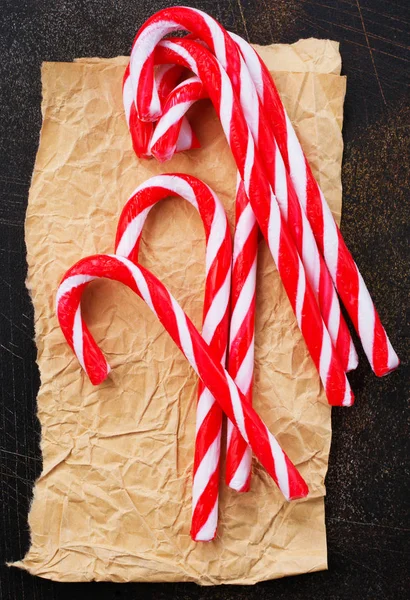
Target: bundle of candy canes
x,y
276,196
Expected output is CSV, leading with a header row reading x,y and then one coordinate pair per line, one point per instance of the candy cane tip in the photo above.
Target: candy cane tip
x,y
353,359
239,487
392,365
300,490
348,400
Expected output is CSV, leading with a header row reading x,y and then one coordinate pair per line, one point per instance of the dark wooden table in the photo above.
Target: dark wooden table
x,y
367,490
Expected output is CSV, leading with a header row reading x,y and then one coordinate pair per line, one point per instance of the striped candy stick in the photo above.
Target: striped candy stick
x,y
241,352
218,86
180,100
342,267
242,333
215,321
187,338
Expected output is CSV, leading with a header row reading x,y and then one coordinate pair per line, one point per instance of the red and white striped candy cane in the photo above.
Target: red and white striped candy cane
x,y
219,88
178,102
187,338
241,352
343,269
215,321
226,51
141,132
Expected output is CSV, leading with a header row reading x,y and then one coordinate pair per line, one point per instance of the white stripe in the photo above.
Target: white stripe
x,y
281,186
300,293
216,234
249,101
353,359
366,319
249,160
297,165
207,531
184,335
243,228
237,408
241,475
132,233
217,309
205,470
310,254
226,103
252,62
78,340
392,358
243,303
325,357
217,34
185,137
72,282
333,321
205,403
187,82
181,52
274,229
330,239
169,119
139,280
244,375
229,430
280,465
127,98
347,400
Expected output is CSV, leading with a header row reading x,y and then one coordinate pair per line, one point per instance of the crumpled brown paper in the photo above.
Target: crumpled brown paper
x,y
114,498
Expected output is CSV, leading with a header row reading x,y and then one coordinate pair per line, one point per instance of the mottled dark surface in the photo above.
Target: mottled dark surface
x,y
367,484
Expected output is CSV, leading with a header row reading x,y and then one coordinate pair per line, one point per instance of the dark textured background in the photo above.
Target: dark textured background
x,y
367,484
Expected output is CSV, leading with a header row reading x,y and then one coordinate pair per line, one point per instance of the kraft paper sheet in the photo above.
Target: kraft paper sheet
x,y
114,499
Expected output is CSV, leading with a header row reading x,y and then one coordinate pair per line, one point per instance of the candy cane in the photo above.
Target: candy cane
x,y
241,352
343,269
227,52
215,321
218,86
187,338
163,146
141,132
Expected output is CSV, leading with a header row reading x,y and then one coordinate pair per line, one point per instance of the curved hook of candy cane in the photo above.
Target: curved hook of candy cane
x,y
150,34
164,141
342,267
142,131
264,204
191,343
215,321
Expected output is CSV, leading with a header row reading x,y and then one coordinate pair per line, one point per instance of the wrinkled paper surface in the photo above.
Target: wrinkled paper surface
x,y
114,499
